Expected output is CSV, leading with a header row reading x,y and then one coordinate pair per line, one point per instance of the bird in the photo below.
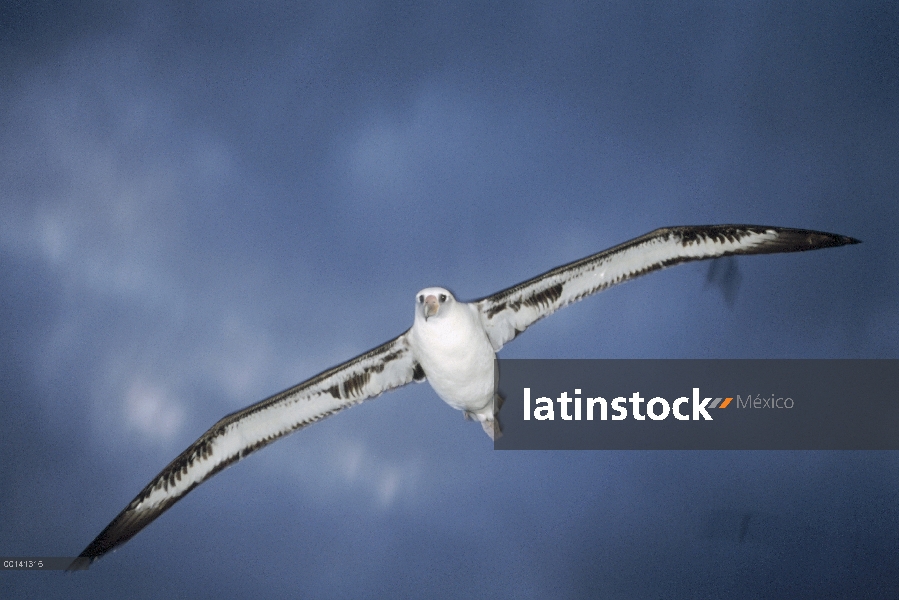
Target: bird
x,y
451,344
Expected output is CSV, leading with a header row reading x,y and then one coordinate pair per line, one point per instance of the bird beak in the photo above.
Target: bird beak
x,y
431,306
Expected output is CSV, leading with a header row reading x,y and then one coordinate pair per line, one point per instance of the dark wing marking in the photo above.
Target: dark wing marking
x,y
386,367
509,312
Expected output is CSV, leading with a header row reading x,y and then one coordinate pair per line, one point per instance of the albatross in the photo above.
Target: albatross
x,y
452,345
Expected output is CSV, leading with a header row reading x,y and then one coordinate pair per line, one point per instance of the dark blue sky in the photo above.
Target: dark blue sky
x,y
205,203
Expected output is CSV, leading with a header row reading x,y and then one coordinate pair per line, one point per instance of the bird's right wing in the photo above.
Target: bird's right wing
x,y
511,311
235,436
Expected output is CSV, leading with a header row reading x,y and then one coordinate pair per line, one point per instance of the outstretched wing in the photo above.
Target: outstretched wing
x,y
511,311
386,367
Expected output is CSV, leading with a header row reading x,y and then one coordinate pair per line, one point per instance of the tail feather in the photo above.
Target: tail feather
x,y
492,428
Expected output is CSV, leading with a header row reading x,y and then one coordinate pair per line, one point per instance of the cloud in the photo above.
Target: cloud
x,y
152,412
104,207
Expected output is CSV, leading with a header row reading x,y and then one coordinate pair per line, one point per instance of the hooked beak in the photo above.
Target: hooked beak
x,y
431,306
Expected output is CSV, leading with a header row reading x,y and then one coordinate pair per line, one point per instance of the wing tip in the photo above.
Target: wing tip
x,y
80,563
806,239
845,240
94,551
125,526
784,239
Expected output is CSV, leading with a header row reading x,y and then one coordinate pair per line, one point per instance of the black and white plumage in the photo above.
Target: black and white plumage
x,y
452,344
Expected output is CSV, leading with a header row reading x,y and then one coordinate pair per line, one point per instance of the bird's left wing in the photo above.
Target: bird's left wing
x,y
509,312
235,436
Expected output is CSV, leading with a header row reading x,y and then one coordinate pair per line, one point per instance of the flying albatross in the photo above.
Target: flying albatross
x,y
452,344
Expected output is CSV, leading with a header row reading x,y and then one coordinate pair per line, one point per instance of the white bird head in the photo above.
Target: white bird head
x,y
431,302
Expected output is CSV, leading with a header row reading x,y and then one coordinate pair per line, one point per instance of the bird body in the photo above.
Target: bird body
x,y
456,354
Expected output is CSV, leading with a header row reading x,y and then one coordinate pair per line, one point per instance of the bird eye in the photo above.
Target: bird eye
x,y
443,297
421,298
